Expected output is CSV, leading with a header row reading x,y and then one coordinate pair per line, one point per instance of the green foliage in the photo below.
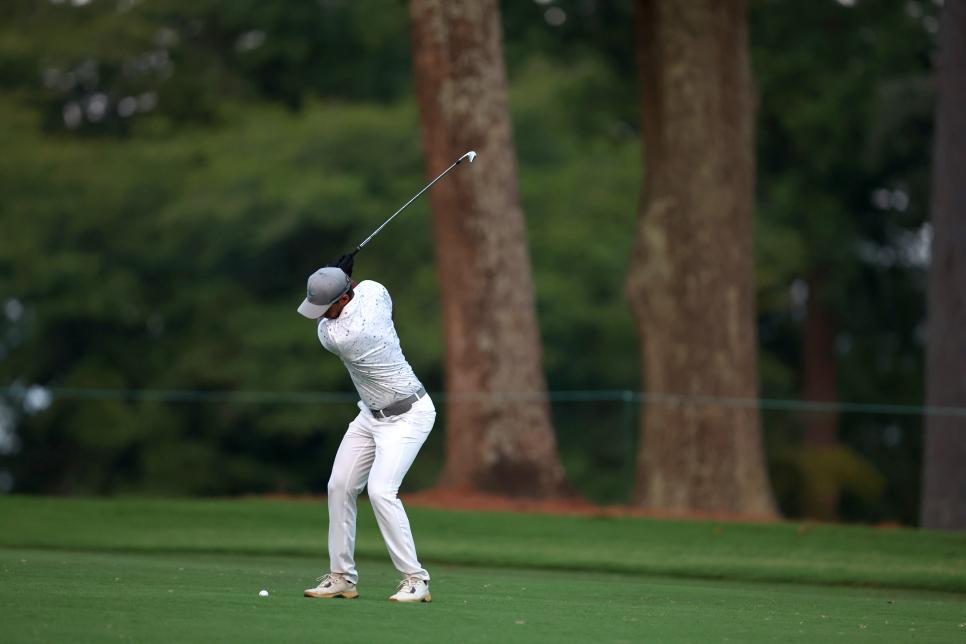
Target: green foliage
x,y
579,193
175,260
828,472
101,67
178,262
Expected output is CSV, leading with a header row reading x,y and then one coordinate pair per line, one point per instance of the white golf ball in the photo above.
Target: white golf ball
x,y
263,593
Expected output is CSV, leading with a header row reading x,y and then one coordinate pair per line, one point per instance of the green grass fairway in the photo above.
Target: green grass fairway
x,y
151,570
60,596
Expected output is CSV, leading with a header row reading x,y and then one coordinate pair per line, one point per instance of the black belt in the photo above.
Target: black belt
x,y
400,406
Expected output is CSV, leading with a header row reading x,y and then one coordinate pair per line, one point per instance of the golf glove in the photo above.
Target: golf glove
x,y
345,263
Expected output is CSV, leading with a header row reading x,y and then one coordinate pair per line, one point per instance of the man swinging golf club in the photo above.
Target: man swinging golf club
x,y
395,417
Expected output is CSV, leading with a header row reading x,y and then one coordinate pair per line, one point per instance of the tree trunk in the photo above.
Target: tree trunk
x,y
499,436
944,466
690,282
821,483
821,428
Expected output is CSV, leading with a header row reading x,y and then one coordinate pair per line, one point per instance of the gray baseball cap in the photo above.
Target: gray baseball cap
x,y
325,286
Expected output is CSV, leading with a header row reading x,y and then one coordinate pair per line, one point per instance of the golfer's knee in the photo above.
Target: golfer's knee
x,y
339,487
381,495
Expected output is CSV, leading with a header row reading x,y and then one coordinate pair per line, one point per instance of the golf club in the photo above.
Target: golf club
x,y
469,155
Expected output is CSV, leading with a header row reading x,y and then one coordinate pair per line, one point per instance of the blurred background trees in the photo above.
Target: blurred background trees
x,y
844,132
173,171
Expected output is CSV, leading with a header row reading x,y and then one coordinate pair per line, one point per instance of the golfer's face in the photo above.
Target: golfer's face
x,y
336,309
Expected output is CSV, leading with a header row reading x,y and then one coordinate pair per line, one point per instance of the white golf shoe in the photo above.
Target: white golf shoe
x,y
332,585
412,589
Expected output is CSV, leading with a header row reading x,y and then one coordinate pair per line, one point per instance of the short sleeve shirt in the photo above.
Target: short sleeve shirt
x,y
365,339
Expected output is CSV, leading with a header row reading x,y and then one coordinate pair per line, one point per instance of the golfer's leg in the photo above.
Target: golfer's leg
x,y
397,444
349,473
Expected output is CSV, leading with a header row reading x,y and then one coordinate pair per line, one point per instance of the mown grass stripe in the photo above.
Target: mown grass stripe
x,y
781,552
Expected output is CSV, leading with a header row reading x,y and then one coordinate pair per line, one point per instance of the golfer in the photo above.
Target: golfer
x,y
395,417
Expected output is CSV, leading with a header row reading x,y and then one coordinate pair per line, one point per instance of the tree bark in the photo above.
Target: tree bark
x,y
499,436
818,359
821,483
944,466
690,281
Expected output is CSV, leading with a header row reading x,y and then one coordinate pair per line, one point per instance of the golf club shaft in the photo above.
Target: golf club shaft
x,y
471,155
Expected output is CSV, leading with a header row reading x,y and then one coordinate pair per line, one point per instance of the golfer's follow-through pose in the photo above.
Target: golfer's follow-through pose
x,y
395,417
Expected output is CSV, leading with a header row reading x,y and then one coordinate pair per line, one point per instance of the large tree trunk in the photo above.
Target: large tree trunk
x,y
499,436
944,466
690,282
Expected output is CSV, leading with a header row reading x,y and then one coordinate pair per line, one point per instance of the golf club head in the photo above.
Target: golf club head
x,y
469,155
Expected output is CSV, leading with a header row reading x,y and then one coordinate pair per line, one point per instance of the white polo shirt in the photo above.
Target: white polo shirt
x,y
364,338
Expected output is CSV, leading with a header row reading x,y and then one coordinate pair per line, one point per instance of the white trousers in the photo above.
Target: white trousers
x,y
378,453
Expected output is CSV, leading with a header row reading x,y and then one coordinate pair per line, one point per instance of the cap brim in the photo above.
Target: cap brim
x,y
312,311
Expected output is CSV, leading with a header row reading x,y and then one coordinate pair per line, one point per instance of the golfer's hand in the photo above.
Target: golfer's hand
x,y
345,263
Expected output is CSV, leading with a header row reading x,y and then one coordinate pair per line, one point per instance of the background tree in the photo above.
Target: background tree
x,y
690,282
499,436
844,127
944,484
164,161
